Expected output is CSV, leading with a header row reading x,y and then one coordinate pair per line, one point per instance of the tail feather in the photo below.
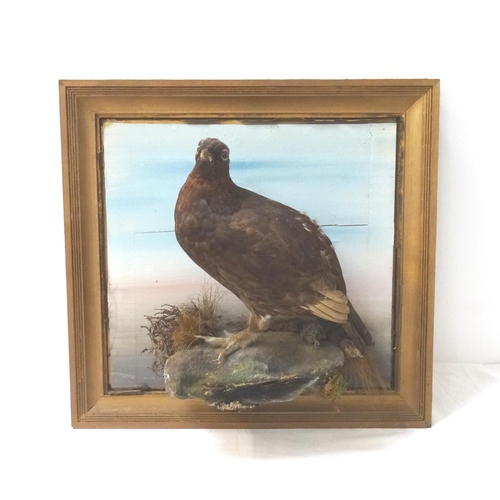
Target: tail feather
x,y
361,368
359,327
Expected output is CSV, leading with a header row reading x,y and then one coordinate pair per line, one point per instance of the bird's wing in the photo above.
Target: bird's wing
x,y
284,237
286,250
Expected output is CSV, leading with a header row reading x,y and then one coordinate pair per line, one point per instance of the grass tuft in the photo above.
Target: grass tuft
x,y
173,328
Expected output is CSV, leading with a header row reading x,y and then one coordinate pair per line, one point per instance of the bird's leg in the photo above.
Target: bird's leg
x,y
258,323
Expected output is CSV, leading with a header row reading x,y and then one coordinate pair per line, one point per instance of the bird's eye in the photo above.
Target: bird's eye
x,y
225,154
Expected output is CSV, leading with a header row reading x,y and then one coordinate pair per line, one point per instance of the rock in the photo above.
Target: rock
x,y
278,366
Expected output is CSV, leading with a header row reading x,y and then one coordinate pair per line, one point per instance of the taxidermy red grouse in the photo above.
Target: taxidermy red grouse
x,y
277,260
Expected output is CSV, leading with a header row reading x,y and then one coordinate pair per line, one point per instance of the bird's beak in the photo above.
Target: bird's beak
x,y
204,154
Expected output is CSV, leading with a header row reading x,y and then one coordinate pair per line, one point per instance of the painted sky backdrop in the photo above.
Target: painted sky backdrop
x,y
342,175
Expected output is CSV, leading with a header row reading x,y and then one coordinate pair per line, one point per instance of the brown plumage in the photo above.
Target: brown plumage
x,y
277,260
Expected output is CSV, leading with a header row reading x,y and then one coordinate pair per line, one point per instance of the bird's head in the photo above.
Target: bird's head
x,y
212,159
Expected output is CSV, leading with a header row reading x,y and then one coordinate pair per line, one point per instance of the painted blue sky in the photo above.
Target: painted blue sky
x,y
342,175
323,170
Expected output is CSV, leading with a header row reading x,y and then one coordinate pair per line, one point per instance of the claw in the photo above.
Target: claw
x,y
214,341
230,343
238,341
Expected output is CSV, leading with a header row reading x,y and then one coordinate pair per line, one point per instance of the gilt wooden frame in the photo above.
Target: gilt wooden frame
x,y
414,104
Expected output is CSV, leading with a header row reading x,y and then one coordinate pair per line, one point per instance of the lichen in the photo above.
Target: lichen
x,y
335,387
233,406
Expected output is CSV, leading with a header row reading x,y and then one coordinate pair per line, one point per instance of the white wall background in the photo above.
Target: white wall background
x,y
42,42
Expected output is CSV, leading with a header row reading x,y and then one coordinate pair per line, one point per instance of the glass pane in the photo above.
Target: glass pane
x,y
340,175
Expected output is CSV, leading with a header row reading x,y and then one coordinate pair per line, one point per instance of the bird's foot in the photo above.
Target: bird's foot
x,y
231,342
